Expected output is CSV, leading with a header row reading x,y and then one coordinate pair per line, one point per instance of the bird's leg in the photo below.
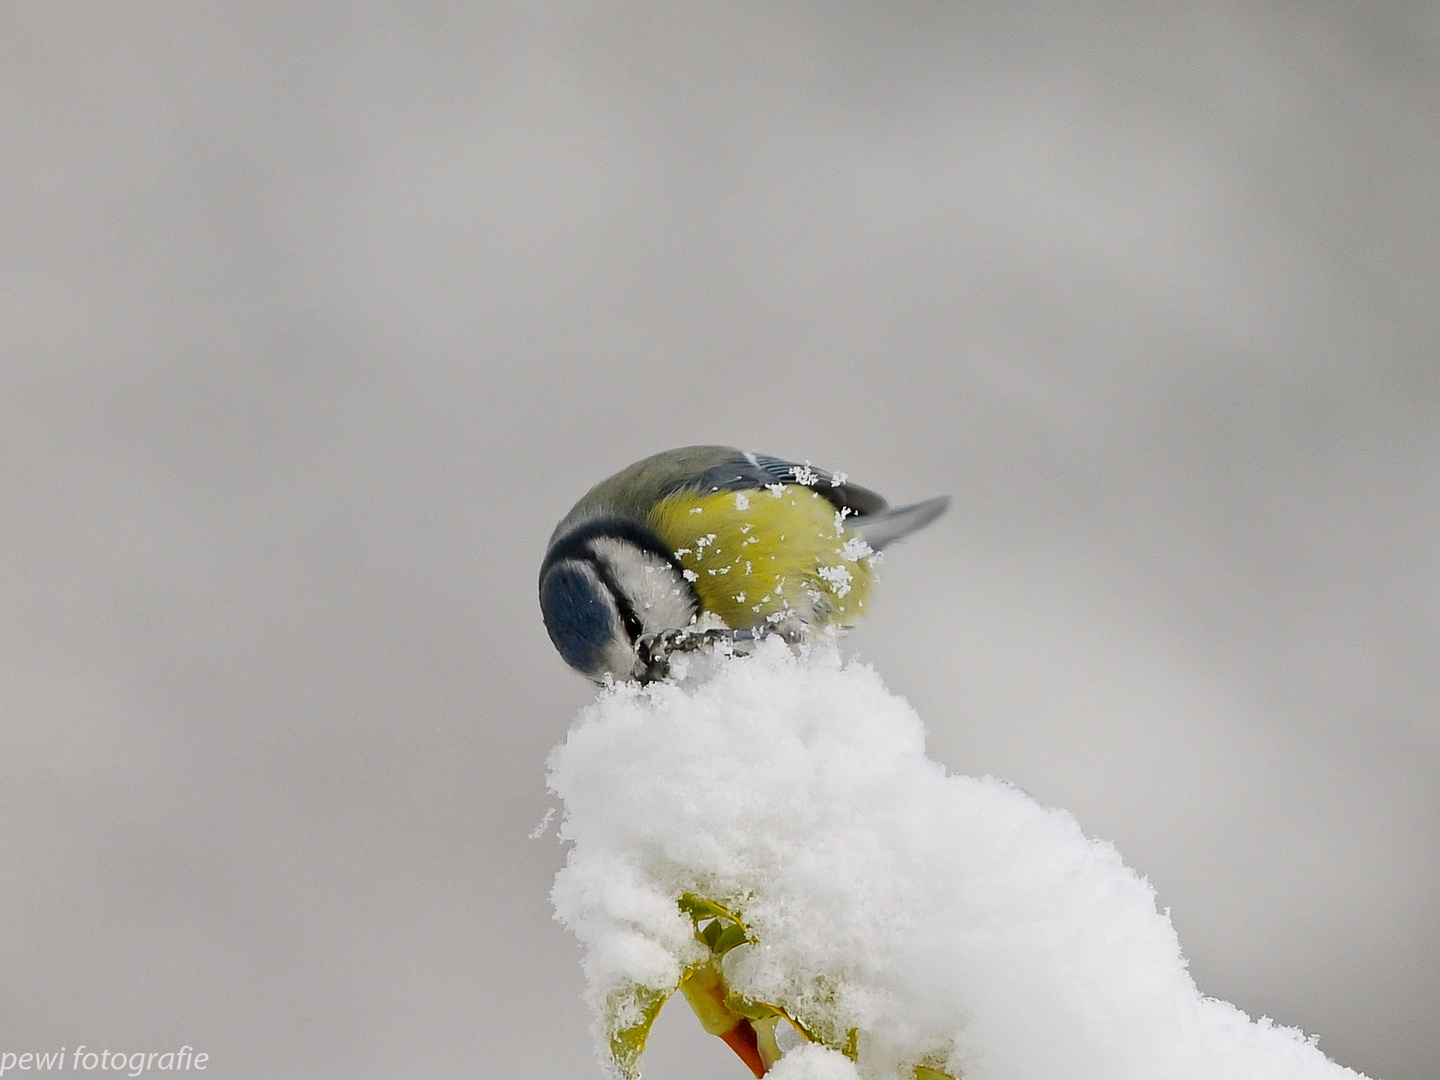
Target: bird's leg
x,y
787,626
656,649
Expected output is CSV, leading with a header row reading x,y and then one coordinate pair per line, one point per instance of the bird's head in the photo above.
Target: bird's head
x,y
606,582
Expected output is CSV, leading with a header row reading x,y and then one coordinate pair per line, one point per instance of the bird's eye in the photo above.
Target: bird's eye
x,y
633,626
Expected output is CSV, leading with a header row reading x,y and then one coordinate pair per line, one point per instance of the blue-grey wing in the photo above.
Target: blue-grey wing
x,y
746,471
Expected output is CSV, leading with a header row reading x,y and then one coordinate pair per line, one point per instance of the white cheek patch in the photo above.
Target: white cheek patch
x,y
660,598
621,660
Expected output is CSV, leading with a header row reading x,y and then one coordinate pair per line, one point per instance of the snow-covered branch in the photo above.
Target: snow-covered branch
x,y
771,827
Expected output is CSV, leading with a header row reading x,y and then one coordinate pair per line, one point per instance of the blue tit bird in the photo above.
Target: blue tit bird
x,y
709,543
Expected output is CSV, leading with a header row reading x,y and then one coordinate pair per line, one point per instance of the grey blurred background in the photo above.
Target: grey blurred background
x,y
317,317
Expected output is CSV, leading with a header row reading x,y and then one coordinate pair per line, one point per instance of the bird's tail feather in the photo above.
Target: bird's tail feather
x,y
890,525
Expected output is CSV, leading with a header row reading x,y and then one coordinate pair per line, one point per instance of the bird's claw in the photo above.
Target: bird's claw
x,y
656,649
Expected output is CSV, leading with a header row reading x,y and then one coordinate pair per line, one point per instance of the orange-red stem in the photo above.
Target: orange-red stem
x,y
741,1038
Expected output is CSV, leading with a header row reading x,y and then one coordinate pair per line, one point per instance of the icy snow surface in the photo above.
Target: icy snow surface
x,y
946,920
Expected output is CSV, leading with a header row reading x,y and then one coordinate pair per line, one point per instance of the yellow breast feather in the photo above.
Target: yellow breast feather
x,y
759,556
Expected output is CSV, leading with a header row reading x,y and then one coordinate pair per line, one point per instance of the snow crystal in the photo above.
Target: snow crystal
x,y
899,915
838,577
543,825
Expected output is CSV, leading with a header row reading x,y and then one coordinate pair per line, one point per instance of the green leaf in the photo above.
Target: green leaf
x,y
710,933
721,930
628,1043
727,939
700,909
751,1010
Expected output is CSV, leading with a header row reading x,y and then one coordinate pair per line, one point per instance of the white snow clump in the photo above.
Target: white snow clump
x,y
813,1062
902,916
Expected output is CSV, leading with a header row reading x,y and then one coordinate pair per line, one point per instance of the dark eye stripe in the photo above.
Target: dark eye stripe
x,y
575,544
631,621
